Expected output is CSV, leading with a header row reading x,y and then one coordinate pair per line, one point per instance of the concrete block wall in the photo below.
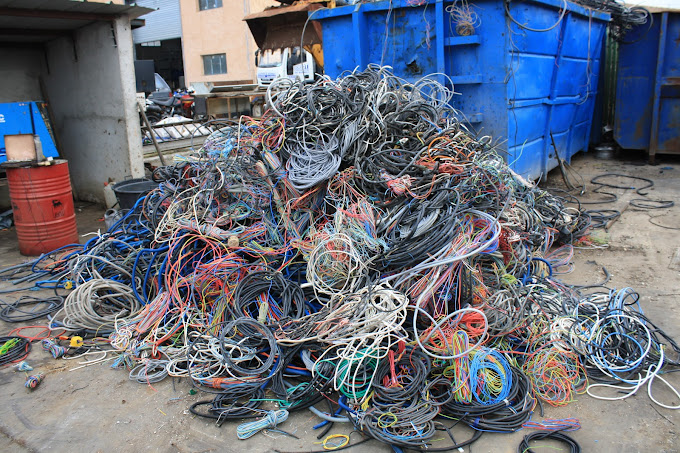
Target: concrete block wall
x,y
90,82
20,70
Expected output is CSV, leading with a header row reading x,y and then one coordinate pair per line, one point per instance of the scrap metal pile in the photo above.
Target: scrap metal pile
x,y
359,253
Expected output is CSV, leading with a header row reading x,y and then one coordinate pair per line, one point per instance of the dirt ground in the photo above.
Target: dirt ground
x,y
98,409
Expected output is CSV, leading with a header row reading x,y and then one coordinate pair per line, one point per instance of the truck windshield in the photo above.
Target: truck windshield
x,y
296,56
271,58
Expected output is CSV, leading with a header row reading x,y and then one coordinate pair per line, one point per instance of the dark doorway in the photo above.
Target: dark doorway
x,y
167,56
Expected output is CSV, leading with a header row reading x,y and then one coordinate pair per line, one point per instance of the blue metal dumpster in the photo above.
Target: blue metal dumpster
x,y
515,84
647,112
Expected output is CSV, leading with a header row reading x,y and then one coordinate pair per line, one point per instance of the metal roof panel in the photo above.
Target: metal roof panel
x,y
76,6
36,20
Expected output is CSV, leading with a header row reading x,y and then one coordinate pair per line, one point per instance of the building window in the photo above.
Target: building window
x,y
209,4
215,64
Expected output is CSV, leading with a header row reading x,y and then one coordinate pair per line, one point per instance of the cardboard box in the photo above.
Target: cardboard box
x,y
20,147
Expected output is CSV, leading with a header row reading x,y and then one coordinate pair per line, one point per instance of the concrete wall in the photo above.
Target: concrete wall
x,y
20,70
219,30
91,87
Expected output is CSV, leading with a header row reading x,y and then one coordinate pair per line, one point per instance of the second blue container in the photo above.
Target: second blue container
x,y
524,69
648,87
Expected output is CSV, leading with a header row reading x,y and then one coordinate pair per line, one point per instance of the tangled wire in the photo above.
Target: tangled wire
x,y
356,248
624,18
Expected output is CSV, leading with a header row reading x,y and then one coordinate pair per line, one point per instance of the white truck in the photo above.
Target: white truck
x,y
288,62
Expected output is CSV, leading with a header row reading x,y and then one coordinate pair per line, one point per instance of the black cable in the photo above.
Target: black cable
x,y
27,308
476,435
643,203
599,218
500,417
16,352
624,19
597,180
524,447
273,287
232,406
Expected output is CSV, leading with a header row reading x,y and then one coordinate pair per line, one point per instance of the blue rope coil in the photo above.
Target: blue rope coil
x,y
271,420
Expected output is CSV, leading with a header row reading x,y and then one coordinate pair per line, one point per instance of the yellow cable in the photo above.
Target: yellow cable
x,y
345,442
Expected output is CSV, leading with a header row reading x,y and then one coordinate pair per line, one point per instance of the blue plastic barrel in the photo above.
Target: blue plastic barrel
x,y
647,111
515,84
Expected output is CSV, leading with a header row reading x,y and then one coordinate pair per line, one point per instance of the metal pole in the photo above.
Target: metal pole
x,y
151,133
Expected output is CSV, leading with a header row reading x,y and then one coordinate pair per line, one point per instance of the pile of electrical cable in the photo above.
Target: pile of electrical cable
x,y
358,253
624,18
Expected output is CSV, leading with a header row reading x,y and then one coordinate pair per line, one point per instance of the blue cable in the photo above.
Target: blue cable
x,y
148,271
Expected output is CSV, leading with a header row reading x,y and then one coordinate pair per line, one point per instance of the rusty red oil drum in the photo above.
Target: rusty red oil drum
x,y
42,202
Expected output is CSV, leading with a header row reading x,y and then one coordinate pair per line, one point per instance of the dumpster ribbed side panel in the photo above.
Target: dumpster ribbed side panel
x,y
647,112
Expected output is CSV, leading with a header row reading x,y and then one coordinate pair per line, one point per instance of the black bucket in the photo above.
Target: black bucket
x,y
128,192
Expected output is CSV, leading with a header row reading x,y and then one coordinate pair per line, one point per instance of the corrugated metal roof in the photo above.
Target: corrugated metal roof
x,y
43,20
163,23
